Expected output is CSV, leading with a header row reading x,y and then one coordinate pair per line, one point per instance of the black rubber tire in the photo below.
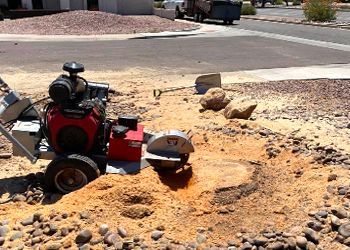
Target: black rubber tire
x,y
201,17
225,22
178,14
196,17
83,164
230,22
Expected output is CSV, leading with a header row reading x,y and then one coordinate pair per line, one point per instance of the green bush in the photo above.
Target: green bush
x,y
296,2
157,4
320,10
279,2
248,9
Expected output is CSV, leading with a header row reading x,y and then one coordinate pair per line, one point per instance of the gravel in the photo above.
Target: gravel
x,y
89,23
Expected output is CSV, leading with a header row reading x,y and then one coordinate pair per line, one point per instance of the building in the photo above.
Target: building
x,y
123,7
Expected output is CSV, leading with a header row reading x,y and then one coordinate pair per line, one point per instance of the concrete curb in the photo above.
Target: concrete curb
x,y
86,38
300,22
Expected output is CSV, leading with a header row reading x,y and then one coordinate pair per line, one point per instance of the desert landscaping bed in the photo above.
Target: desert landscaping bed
x,y
90,23
249,184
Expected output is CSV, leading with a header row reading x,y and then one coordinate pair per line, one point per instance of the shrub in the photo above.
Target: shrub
x,y
157,4
296,2
278,2
248,9
320,10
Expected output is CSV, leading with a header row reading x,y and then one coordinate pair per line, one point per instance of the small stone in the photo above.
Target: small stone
x,y
246,246
16,235
53,246
28,221
110,238
84,215
36,240
52,229
322,214
156,235
2,241
276,246
215,99
85,247
103,229
344,230
239,110
96,241
19,198
335,222
38,217
122,232
295,150
201,238
4,230
311,235
64,231
37,232
83,237
260,241
332,177
315,225
340,212
301,242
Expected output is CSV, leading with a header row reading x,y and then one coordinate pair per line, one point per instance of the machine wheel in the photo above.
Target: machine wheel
x,y
201,17
225,22
230,22
178,13
160,165
69,173
196,17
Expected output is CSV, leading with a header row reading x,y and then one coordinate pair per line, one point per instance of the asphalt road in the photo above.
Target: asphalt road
x,y
334,35
185,55
342,16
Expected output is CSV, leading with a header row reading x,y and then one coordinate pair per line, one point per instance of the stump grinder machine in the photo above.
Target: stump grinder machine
x,y
73,131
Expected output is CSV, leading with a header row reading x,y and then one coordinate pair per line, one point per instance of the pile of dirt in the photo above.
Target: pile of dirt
x,y
246,185
84,22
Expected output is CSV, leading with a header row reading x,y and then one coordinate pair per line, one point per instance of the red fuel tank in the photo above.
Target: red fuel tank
x,y
72,132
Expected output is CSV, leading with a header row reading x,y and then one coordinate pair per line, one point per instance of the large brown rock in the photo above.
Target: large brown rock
x,y
214,99
239,110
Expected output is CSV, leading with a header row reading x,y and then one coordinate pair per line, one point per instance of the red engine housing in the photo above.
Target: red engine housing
x,y
69,134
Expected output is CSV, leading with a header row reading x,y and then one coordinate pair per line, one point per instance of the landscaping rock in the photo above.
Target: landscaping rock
x,y
19,198
110,238
28,221
311,235
84,215
122,232
103,229
201,238
4,230
53,246
83,237
214,99
301,242
16,235
239,110
2,241
344,230
156,235
85,247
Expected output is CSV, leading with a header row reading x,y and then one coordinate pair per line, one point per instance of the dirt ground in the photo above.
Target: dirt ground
x,y
233,189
